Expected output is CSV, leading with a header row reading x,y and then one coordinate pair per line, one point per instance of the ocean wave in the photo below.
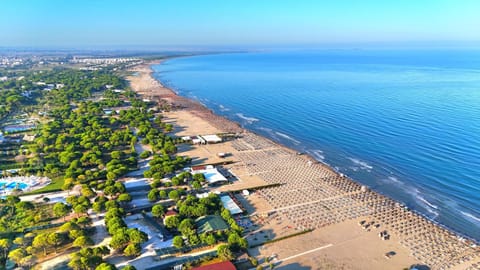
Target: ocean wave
x,y
278,135
416,194
427,205
269,130
248,119
285,136
431,205
199,100
393,180
353,168
317,154
223,108
471,217
362,164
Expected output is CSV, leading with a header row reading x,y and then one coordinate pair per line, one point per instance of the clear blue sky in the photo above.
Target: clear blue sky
x,y
236,22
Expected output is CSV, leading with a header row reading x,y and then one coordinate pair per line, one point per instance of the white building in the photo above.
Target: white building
x,y
230,205
212,175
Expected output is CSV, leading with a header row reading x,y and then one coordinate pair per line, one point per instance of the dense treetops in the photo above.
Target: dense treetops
x,y
73,85
16,215
85,146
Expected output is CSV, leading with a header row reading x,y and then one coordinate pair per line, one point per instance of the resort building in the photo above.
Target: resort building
x,y
28,137
212,175
194,139
230,204
137,184
202,139
211,223
170,213
107,111
212,138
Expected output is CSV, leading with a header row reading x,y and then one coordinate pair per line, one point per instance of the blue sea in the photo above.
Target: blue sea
x,y
404,122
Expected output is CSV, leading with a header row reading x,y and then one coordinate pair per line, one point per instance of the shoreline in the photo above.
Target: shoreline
x,y
313,159
158,90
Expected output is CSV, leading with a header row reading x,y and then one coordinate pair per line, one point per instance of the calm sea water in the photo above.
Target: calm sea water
x,y
405,123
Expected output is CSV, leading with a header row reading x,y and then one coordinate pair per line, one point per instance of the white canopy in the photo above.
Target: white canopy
x,y
229,204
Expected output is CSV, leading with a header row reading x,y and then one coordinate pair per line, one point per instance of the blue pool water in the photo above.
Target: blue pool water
x,y
405,123
12,185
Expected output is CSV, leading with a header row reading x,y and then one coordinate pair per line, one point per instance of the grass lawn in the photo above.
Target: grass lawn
x,y
56,185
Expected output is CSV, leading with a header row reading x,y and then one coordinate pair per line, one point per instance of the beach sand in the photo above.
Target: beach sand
x,y
310,196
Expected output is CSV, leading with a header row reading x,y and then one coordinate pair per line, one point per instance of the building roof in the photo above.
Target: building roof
x,y
202,195
197,140
212,175
198,168
212,138
227,265
210,223
171,213
230,204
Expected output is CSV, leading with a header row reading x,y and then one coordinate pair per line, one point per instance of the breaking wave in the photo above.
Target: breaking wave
x,y
362,165
471,217
248,119
285,136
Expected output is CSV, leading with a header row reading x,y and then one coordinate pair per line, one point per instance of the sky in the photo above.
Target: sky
x,y
77,23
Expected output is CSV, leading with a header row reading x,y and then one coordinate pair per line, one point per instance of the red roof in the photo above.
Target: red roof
x,y
197,168
227,265
171,213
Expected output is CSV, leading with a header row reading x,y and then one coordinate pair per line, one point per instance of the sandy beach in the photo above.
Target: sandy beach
x,y
352,226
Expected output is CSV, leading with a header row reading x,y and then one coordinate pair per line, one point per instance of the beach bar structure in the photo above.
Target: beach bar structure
x,y
212,175
230,205
212,138
203,139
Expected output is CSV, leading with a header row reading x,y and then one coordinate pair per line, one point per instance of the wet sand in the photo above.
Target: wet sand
x,y
310,196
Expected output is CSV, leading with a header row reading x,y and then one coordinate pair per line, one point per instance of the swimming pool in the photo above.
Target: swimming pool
x,y
8,186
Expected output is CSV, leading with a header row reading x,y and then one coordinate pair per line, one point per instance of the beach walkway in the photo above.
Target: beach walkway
x,y
305,253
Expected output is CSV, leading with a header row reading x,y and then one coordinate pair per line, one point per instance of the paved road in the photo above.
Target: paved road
x,y
57,196
101,236
169,262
